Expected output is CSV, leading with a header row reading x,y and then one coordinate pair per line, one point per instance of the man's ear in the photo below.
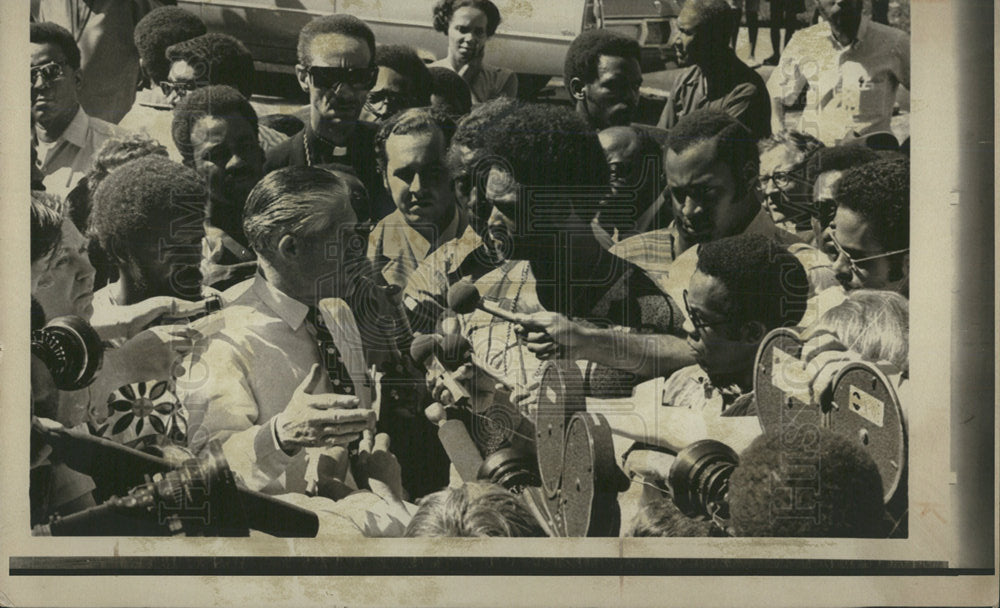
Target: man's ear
x,y
575,88
288,247
303,77
899,269
748,174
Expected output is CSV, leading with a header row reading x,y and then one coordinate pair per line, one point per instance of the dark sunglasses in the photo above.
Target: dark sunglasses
x,y
48,72
328,78
697,320
181,88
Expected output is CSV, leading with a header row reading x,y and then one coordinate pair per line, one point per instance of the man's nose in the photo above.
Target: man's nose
x,y
691,207
689,328
842,268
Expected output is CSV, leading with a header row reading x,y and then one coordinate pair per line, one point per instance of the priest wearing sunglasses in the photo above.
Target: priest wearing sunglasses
x,y
337,69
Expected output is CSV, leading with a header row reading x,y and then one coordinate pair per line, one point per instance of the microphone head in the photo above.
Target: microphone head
x,y
463,297
453,351
71,350
423,347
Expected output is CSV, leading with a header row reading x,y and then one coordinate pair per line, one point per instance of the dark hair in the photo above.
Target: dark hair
x,y
51,33
846,490
292,199
473,510
414,120
764,281
114,153
444,10
838,158
158,30
472,131
142,200
734,144
717,16
549,146
216,100
879,192
405,60
345,25
585,52
453,88
46,224
217,59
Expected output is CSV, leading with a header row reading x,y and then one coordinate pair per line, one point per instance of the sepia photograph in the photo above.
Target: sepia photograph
x,y
498,302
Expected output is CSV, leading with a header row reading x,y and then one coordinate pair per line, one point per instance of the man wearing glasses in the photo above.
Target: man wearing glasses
x,y
782,182
67,137
870,233
823,170
336,67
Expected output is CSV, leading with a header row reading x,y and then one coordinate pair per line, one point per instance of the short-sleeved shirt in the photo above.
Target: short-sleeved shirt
x,y
69,157
735,89
397,248
852,89
625,298
491,82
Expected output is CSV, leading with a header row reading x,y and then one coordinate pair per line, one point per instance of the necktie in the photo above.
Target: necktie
x,y
330,356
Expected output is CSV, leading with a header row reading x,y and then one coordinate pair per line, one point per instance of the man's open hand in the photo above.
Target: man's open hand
x,y
325,419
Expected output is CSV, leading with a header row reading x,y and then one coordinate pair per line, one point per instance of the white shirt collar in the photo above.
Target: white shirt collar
x,y
287,308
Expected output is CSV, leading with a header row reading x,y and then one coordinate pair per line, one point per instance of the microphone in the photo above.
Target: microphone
x,y
464,297
71,350
425,350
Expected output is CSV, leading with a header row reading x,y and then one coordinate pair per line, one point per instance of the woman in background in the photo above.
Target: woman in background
x,y
468,25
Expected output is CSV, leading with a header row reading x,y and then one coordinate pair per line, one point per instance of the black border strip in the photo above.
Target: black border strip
x,y
471,566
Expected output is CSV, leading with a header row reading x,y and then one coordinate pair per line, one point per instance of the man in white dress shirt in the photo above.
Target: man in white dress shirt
x,y
68,139
269,378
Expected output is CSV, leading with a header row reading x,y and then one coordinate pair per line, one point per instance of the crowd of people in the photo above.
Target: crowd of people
x,y
258,280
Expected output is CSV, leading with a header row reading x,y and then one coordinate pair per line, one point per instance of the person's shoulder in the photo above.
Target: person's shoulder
x,y
648,250
105,129
888,37
280,155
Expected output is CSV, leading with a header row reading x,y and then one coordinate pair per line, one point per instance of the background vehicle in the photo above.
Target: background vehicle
x,y
531,41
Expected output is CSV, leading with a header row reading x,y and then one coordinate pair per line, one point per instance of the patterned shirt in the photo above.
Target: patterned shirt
x,y
852,89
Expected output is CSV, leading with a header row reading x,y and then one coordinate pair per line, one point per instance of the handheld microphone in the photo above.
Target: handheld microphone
x,y
464,297
425,349
71,350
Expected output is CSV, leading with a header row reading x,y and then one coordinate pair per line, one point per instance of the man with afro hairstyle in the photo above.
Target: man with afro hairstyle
x,y
149,217
155,32
603,75
215,128
836,473
870,233
403,82
544,178
823,170
744,287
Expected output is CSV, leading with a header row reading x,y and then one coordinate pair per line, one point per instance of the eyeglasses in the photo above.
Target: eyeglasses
x,y
696,319
851,262
328,78
181,88
782,180
383,104
48,72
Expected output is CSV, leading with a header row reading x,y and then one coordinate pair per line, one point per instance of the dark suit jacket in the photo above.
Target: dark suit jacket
x,y
360,159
